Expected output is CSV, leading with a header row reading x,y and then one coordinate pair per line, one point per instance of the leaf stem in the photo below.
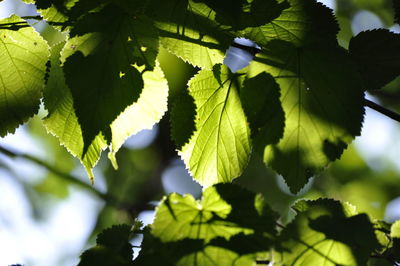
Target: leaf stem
x,y
379,108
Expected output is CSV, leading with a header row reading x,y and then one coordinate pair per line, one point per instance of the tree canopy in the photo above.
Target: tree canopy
x,y
296,107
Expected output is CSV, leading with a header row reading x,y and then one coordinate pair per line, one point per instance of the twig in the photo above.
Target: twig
x,y
389,113
59,173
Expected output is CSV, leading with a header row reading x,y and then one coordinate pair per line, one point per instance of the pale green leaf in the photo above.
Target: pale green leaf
x,y
148,110
23,57
322,98
219,149
62,120
395,229
101,72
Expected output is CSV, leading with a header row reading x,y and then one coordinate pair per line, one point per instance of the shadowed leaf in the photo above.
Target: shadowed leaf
x,y
377,54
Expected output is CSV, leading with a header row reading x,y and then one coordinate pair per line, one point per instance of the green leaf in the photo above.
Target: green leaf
x,y
61,120
224,210
219,149
147,111
322,97
23,57
113,248
102,75
395,230
188,32
327,232
377,54
212,228
241,14
182,119
395,235
260,97
305,22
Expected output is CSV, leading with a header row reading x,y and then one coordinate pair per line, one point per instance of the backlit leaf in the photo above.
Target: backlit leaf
x,y
147,111
61,120
63,123
187,31
322,97
327,232
101,72
219,149
23,57
305,22
213,228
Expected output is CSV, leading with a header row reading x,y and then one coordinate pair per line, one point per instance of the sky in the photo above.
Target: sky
x,y
61,235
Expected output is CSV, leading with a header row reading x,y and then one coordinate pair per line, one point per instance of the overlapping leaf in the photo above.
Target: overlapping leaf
x,y
260,97
377,54
327,232
63,122
305,22
101,75
219,149
113,248
322,97
212,230
23,57
147,111
187,31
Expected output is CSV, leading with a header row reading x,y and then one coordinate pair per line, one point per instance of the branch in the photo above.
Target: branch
x,y
59,173
23,24
379,108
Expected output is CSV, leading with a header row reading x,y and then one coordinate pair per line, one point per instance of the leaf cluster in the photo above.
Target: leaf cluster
x,y
232,226
299,104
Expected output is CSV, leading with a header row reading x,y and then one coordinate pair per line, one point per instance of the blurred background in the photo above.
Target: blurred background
x,y
49,213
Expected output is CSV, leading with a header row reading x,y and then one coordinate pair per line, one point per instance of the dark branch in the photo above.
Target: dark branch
x,y
389,113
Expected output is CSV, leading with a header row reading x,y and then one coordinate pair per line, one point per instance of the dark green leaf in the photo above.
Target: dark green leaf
x,y
61,120
305,22
377,54
188,31
260,98
103,80
327,232
182,119
23,57
113,248
241,14
322,97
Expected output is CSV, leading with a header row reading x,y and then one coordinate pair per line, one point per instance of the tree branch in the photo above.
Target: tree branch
x,y
59,173
379,108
